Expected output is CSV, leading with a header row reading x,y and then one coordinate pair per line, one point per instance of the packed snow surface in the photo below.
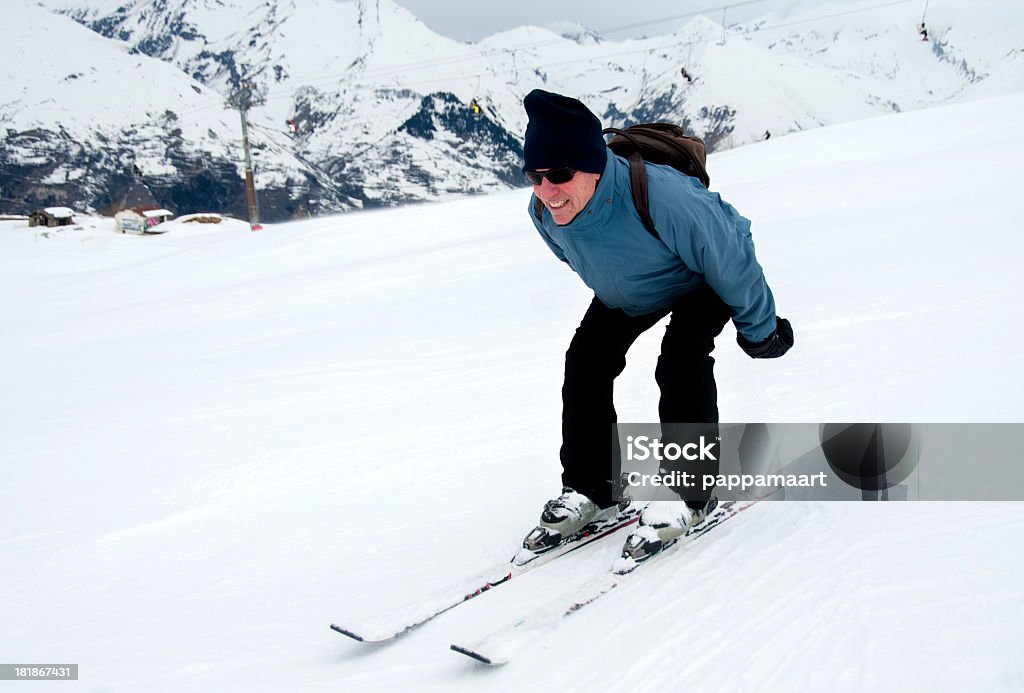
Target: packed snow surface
x,y
217,442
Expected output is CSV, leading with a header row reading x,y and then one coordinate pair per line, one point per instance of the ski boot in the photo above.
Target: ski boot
x,y
662,523
562,519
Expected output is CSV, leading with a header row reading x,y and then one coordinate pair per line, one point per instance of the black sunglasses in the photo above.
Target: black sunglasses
x,y
557,176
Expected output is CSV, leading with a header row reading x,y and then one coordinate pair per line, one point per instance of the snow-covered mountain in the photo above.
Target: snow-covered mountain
x,y
364,105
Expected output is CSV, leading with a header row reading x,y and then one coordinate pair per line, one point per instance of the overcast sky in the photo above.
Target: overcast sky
x,y
471,20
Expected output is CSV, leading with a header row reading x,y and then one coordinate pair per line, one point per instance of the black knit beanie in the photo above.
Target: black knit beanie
x,y
562,132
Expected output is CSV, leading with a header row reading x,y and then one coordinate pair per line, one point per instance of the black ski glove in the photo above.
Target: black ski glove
x,y
772,348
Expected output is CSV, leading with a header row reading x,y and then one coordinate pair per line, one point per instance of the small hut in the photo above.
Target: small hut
x,y
140,221
155,217
52,216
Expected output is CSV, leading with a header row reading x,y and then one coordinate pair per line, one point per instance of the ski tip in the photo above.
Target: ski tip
x,y
475,655
344,631
524,557
624,565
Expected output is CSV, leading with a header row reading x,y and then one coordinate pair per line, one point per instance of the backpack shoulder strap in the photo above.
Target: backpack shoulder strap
x,y
637,181
638,185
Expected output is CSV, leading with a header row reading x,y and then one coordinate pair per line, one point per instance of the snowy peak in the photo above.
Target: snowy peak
x,y
83,132
700,30
64,84
576,32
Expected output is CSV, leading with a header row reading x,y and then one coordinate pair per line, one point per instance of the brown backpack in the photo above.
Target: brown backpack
x,y
657,143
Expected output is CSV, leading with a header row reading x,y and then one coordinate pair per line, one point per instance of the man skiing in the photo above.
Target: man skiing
x,y
702,271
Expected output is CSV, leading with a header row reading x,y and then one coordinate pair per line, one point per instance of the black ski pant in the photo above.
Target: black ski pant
x,y
685,376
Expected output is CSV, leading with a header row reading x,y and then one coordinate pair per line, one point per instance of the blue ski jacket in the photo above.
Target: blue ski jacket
x,y
703,241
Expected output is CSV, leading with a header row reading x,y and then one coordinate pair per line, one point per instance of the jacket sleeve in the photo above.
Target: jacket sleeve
x,y
539,225
715,241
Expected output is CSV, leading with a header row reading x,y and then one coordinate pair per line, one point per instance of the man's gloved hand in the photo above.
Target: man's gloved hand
x,y
772,348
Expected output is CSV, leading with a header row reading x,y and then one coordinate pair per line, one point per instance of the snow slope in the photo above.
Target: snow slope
x,y
217,442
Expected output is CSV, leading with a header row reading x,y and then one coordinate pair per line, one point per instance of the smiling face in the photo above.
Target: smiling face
x,y
566,200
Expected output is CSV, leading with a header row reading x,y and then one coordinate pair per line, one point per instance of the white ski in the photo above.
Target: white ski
x,y
500,646
396,622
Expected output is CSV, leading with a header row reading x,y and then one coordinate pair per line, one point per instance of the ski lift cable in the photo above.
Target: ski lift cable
x,y
535,44
284,93
830,16
674,45
637,25
397,69
394,70
429,64
547,42
756,30
923,14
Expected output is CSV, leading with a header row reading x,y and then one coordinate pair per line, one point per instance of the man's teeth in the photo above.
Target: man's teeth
x,y
558,205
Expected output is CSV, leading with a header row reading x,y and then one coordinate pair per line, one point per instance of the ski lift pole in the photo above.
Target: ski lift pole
x,y
243,99
250,183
